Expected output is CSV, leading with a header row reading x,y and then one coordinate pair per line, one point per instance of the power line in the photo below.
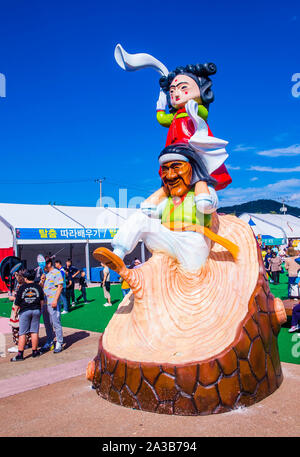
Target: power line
x,y
72,181
143,189
45,181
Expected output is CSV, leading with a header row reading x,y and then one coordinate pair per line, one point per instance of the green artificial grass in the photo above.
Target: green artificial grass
x,y
280,290
289,345
95,317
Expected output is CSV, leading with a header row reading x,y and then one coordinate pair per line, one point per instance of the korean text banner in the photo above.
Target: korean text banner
x,y
272,241
65,234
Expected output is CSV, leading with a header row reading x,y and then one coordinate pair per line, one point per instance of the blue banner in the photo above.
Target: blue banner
x,y
269,241
65,234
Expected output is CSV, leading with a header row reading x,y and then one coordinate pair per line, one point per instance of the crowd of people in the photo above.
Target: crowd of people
x,y
47,291
50,292
277,259
280,259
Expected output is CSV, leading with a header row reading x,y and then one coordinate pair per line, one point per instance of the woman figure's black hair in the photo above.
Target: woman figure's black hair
x,y
200,73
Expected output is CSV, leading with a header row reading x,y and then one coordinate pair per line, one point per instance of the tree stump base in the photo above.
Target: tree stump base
x,y
241,374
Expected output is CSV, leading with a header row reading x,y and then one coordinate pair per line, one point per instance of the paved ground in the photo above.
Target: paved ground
x,y
50,396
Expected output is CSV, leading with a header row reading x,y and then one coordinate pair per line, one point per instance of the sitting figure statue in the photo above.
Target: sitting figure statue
x,y
197,333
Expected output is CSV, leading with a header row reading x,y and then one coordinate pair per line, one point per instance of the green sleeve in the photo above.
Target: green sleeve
x,y
202,112
164,118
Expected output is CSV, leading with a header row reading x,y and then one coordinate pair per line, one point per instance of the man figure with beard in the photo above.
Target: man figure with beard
x,y
180,224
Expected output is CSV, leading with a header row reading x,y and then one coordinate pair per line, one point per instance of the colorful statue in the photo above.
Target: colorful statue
x,y
198,332
180,86
180,224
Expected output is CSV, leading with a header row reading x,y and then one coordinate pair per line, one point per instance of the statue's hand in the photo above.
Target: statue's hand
x,y
148,209
161,102
153,211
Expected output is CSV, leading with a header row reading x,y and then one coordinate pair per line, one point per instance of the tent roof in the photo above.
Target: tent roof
x,y
48,216
91,217
273,225
34,218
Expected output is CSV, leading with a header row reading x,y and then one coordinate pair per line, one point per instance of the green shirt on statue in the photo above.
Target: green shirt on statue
x,y
166,119
185,211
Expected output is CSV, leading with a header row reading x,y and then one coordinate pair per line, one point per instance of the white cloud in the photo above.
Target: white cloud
x,y
230,167
290,151
254,178
294,197
242,148
284,184
275,170
287,188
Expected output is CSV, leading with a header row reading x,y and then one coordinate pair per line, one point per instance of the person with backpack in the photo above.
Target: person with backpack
x,y
14,316
292,268
29,301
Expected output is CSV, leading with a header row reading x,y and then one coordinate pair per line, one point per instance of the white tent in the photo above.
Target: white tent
x,y
276,226
22,225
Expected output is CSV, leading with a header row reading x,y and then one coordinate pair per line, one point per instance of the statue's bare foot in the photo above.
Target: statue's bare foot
x,y
109,259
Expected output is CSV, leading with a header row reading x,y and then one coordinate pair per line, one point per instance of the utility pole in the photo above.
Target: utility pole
x,y
283,209
100,181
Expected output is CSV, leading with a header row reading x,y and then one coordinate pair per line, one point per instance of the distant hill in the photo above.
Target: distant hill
x,y
259,206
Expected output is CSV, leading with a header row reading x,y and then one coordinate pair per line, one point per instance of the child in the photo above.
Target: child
x,y
82,287
29,300
125,288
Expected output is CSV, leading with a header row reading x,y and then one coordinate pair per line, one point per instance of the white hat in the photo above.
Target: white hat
x,y
170,157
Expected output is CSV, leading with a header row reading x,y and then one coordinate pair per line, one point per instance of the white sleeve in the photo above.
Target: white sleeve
x,y
207,203
154,211
211,149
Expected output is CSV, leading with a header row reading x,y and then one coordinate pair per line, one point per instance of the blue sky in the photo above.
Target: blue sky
x,y
71,115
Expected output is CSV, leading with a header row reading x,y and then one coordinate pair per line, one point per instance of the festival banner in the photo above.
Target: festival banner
x,y
65,233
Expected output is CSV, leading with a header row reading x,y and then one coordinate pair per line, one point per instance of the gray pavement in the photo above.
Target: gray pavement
x,y
69,407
